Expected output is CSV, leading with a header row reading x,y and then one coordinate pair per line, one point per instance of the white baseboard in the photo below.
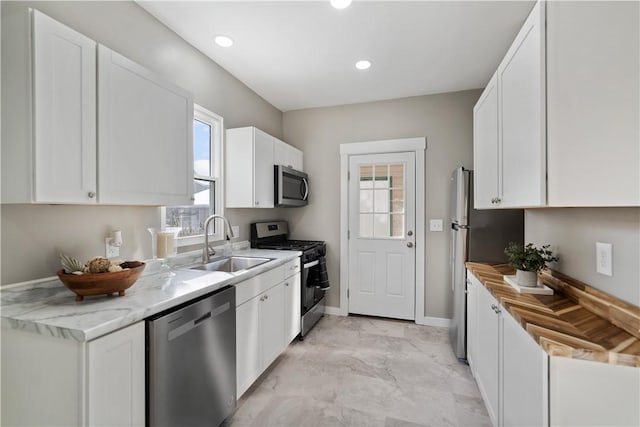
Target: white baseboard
x,y
335,311
441,322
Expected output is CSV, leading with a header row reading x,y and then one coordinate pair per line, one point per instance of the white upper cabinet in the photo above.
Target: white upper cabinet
x,y
286,155
509,125
251,155
113,133
249,168
486,154
145,135
568,111
521,103
64,105
593,103
56,163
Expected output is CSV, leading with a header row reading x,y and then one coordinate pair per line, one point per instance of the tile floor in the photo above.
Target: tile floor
x,y
362,371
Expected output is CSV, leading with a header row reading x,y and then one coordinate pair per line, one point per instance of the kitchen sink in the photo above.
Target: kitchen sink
x,y
232,264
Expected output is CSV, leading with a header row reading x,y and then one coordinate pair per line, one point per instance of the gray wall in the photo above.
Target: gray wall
x,y
573,233
446,122
33,235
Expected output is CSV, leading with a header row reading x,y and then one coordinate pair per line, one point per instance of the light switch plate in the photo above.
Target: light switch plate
x,y
435,225
235,229
604,258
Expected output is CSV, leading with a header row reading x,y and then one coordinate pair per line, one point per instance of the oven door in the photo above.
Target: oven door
x,y
311,291
291,187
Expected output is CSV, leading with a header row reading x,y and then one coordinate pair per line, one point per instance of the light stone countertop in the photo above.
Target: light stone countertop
x,y
49,308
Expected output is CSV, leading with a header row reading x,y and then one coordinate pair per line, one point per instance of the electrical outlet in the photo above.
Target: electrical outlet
x,y
435,225
110,250
236,230
604,258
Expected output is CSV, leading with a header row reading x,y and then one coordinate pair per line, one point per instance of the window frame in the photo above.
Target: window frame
x,y
216,162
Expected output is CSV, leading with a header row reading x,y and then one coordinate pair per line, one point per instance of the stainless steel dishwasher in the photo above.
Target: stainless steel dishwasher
x,y
191,362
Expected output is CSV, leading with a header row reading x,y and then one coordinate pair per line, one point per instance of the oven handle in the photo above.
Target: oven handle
x,y
310,264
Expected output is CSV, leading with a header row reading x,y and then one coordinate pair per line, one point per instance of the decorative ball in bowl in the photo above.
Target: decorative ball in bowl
x,y
102,283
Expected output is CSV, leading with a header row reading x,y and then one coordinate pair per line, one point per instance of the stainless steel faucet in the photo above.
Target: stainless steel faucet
x,y
229,235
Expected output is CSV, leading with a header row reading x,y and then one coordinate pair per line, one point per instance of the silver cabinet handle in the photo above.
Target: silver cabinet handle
x,y
409,233
409,244
91,194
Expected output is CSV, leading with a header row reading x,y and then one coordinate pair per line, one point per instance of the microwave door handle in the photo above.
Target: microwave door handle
x,y
306,189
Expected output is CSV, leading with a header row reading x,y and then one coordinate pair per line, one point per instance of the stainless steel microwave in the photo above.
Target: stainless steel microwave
x,y
291,187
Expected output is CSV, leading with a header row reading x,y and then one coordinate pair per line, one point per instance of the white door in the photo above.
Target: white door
x,y
382,235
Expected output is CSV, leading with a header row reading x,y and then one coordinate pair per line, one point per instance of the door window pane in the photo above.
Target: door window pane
x,y
382,200
366,200
366,225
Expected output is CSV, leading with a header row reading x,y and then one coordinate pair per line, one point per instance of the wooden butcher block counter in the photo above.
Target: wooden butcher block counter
x,y
577,321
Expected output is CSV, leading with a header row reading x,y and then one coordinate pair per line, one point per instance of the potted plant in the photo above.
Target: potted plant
x,y
528,261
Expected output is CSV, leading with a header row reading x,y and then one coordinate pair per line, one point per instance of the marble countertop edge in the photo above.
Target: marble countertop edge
x,y
46,307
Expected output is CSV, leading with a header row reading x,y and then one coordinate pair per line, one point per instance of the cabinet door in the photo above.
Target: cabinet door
x,y
145,149
521,81
292,305
272,332
64,96
593,103
472,321
248,365
263,170
285,154
486,154
488,352
525,367
115,380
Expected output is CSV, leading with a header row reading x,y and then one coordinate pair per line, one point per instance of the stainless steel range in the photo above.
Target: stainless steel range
x,y
314,279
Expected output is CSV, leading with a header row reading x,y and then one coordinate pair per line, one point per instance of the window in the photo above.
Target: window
x,y
382,202
207,182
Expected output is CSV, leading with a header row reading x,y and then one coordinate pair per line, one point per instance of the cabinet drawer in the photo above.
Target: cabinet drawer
x,y
258,284
292,268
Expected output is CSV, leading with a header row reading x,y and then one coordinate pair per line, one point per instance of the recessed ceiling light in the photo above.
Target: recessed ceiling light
x,y
363,64
223,41
340,4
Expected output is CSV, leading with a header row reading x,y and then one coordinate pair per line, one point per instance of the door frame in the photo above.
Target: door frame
x,y
418,146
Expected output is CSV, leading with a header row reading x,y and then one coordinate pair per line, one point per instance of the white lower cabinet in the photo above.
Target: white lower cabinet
x,y
523,377
260,335
292,299
487,370
57,381
522,386
115,378
266,306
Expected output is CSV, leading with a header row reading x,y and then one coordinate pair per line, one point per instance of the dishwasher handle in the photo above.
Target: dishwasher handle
x,y
192,324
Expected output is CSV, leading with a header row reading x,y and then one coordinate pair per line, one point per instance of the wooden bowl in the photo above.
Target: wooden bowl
x,y
102,283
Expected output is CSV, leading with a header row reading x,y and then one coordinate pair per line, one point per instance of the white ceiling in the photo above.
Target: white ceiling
x,y
301,54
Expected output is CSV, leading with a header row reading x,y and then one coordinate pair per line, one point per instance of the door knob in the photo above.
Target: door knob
x,y
409,244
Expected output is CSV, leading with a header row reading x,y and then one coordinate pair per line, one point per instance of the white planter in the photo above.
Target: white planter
x,y
527,278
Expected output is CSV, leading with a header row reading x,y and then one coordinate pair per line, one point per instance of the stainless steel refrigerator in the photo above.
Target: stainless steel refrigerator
x,y
476,235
